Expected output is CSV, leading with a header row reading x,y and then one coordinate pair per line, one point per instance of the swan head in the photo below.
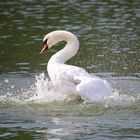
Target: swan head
x,y
53,38
45,45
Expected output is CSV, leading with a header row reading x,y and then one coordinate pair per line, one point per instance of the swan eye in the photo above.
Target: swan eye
x,y
45,42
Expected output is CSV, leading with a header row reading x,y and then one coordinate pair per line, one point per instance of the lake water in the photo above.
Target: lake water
x,y
109,35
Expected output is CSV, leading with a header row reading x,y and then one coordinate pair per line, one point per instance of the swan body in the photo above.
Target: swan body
x,y
68,79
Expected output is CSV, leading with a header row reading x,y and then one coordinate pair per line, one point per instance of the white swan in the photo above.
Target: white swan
x,y
72,79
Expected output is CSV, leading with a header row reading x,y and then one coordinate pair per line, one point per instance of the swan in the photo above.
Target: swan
x,y
70,79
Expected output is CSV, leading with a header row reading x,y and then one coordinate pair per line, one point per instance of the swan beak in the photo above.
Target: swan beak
x,y
44,48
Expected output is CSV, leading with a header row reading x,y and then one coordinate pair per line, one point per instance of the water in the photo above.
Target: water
x,y
108,32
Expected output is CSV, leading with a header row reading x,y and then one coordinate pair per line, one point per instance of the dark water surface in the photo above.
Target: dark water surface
x,y
109,35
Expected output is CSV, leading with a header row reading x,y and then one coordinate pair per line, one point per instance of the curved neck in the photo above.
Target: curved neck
x,y
71,48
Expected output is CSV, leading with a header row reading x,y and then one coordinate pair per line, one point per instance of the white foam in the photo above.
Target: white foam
x,y
118,99
45,91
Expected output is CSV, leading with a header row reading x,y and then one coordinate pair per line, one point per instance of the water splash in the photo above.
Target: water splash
x,y
42,91
118,99
45,91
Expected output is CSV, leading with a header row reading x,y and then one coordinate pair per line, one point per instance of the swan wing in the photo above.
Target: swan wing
x,y
75,80
65,77
93,89
89,87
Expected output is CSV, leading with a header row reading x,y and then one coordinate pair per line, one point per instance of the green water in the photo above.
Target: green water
x,y
109,35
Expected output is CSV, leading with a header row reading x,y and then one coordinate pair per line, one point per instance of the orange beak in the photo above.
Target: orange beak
x,y
44,48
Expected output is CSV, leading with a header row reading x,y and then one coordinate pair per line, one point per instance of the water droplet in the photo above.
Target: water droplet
x,y
6,80
12,86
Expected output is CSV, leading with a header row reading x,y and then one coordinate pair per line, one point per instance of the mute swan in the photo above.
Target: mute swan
x,y
70,79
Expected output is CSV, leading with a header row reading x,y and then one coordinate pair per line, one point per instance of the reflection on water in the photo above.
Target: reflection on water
x,y
108,32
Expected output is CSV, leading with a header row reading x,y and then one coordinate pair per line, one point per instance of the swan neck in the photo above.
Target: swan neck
x,y
70,49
